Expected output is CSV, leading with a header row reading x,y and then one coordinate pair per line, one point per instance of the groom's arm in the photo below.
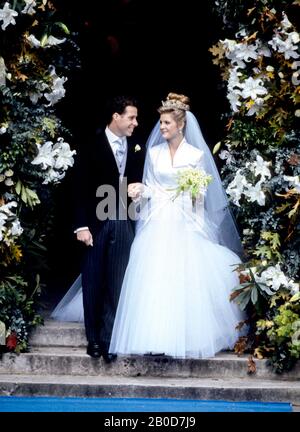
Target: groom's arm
x,y
81,193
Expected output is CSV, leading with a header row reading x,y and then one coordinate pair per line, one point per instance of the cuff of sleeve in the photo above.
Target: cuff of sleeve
x,y
80,229
146,192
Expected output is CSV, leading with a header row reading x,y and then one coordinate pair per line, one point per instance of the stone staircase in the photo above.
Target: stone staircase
x,y
57,365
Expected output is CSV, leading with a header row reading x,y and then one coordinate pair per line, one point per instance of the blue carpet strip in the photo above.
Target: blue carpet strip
x,y
76,404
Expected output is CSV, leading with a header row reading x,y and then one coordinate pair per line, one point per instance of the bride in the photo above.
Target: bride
x,y
175,294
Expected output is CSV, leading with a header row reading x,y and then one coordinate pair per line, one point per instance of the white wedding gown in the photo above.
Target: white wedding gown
x,y
175,294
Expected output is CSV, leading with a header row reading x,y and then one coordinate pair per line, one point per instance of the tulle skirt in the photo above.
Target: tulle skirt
x,y
175,293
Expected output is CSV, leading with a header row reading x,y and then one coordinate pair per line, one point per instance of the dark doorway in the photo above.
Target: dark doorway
x,y
147,48
142,47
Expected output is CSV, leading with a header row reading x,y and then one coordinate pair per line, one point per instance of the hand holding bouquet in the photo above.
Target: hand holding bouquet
x,y
193,180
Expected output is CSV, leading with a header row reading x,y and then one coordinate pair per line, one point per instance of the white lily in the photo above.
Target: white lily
x,y
260,167
29,7
45,156
252,87
255,193
64,155
7,16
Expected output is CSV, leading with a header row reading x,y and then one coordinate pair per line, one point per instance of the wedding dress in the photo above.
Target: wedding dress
x,y
175,294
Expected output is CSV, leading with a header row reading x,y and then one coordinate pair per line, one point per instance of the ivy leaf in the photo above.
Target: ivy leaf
x,y
273,238
263,251
217,50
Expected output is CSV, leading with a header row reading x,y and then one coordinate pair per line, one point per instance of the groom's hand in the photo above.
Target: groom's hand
x,y
85,236
135,190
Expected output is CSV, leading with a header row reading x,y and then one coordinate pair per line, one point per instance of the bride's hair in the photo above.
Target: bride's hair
x,y
176,104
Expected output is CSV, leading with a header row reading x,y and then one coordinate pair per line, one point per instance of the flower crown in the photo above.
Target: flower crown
x,y
175,104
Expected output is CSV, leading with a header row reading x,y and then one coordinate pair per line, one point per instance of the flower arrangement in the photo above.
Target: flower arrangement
x,y
36,55
259,63
193,180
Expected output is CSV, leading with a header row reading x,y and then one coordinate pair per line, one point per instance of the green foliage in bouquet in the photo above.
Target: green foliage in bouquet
x,y
192,180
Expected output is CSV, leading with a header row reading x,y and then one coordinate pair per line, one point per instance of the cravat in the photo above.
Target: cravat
x,y
120,150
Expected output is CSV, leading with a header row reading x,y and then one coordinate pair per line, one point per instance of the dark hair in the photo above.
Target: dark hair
x,y
118,105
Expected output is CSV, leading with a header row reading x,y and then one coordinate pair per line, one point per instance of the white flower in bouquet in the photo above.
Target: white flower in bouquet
x,y
193,180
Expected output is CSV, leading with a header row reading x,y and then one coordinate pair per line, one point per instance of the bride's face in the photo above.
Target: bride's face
x,y
168,126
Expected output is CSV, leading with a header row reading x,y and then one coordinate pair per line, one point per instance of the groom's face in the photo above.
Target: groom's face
x,y
127,121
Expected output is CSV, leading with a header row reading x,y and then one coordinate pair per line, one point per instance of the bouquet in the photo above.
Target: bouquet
x,y
193,180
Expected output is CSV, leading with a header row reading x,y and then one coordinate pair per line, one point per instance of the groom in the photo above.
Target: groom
x,y
108,162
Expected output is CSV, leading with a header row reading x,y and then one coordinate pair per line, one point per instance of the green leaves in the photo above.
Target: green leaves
x,y
28,196
263,124
270,248
36,56
217,147
17,312
62,26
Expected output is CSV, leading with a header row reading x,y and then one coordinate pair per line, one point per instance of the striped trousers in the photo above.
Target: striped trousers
x,y
103,271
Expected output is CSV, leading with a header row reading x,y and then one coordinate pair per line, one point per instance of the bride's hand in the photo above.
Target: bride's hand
x,y
135,190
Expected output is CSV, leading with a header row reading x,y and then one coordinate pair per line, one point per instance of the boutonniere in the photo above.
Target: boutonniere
x,y
137,148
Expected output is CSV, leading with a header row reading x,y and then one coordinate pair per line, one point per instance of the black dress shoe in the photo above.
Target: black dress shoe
x,y
94,349
108,357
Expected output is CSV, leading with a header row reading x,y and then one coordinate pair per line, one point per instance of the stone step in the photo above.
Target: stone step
x,y
150,387
75,361
57,333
